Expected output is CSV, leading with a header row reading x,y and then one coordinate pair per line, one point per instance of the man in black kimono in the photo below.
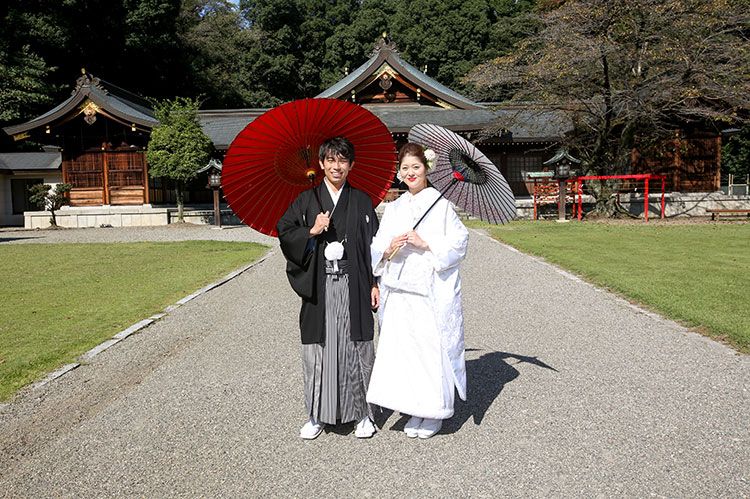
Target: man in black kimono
x,y
328,266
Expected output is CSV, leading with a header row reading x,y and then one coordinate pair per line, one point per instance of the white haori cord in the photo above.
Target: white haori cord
x,y
334,252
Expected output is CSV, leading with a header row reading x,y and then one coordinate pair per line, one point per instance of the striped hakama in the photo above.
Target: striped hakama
x,y
337,372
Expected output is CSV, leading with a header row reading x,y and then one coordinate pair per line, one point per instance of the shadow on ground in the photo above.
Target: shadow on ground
x,y
485,377
8,239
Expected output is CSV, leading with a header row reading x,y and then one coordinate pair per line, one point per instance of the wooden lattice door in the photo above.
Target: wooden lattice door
x,y
107,177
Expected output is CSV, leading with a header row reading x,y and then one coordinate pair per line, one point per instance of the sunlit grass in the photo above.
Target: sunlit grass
x,y
60,300
696,274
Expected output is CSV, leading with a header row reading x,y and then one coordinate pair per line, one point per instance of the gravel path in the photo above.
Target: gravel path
x,y
174,232
572,393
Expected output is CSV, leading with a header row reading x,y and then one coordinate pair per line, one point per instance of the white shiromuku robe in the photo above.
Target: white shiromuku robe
x,y
420,356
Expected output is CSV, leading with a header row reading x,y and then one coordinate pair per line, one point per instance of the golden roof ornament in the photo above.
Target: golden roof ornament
x,y
384,43
87,80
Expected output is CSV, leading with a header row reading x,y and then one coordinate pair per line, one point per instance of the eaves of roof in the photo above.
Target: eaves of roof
x,y
30,161
223,126
429,85
118,106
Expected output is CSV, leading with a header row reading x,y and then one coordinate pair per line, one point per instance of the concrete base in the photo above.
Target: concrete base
x,y
204,216
123,216
97,216
676,204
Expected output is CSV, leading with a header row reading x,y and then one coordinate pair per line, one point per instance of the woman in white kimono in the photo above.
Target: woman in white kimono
x,y
420,356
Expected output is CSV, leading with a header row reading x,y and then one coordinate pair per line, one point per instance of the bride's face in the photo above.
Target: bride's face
x,y
413,172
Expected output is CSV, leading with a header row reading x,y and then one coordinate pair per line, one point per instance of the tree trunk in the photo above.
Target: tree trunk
x,y
604,208
180,192
607,205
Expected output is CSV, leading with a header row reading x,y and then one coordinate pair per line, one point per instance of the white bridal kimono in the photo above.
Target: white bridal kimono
x,y
420,355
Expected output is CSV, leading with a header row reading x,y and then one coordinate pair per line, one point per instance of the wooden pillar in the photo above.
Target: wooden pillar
x,y
676,175
217,210
105,172
717,168
561,200
146,199
66,175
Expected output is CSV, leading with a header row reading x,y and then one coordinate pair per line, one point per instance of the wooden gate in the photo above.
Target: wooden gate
x,y
107,177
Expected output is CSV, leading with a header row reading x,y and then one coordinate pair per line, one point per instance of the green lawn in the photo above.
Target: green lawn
x,y
60,300
696,274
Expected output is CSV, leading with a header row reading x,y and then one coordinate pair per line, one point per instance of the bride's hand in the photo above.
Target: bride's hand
x,y
413,238
396,243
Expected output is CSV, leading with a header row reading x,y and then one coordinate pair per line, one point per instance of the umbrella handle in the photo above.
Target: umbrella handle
x,y
396,251
311,176
453,183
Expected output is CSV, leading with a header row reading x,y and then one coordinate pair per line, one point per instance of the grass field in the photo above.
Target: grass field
x,y
696,274
60,300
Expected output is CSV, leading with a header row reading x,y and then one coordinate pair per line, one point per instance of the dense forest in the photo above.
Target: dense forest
x,y
258,55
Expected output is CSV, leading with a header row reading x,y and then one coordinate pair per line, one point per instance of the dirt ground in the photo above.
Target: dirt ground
x,y
670,221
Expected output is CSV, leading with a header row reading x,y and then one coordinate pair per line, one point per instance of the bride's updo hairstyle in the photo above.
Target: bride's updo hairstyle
x,y
412,149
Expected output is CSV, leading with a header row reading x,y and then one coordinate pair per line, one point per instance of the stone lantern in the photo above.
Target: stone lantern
x,y
213,168
561,163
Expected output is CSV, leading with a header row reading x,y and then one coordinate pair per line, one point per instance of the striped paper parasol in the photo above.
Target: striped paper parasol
x,y
465,176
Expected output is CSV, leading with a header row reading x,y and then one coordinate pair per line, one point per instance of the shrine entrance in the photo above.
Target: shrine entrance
x,y
107,178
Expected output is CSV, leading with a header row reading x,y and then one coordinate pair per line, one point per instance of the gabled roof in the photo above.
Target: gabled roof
x,y
386,55
222,126
525,125
30,161
112,101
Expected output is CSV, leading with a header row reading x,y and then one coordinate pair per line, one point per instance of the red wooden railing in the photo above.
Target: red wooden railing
x,y
644,177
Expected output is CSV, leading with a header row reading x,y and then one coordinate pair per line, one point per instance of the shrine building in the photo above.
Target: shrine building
x,y
96,141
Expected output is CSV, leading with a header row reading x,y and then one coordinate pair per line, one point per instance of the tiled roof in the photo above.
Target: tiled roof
x,y
124,106
120,103
26,161
223,126
523,124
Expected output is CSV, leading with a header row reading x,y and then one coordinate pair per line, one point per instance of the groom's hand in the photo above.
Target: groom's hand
x,y
321,224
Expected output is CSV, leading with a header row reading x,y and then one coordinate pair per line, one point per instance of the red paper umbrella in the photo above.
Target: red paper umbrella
x,y
270,161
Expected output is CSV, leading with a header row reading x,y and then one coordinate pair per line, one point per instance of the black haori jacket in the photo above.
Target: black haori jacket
x,y
354,223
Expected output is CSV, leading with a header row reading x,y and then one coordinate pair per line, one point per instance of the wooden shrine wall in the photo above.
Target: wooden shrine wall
x,y
690,164
107,177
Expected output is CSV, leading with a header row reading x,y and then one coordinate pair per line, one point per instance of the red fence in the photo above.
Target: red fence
x,y
625,178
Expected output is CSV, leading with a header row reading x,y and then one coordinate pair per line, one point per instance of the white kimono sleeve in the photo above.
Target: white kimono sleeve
x,y
382,240
447,246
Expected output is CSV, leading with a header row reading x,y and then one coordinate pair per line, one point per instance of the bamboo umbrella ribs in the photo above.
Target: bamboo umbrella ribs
x,y
275,157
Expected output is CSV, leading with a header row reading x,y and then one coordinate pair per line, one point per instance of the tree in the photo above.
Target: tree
x,y
735,153
24,70
218,43
308,44
351,45
287,59
447,36
23,83
50,198
629,73
178,148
